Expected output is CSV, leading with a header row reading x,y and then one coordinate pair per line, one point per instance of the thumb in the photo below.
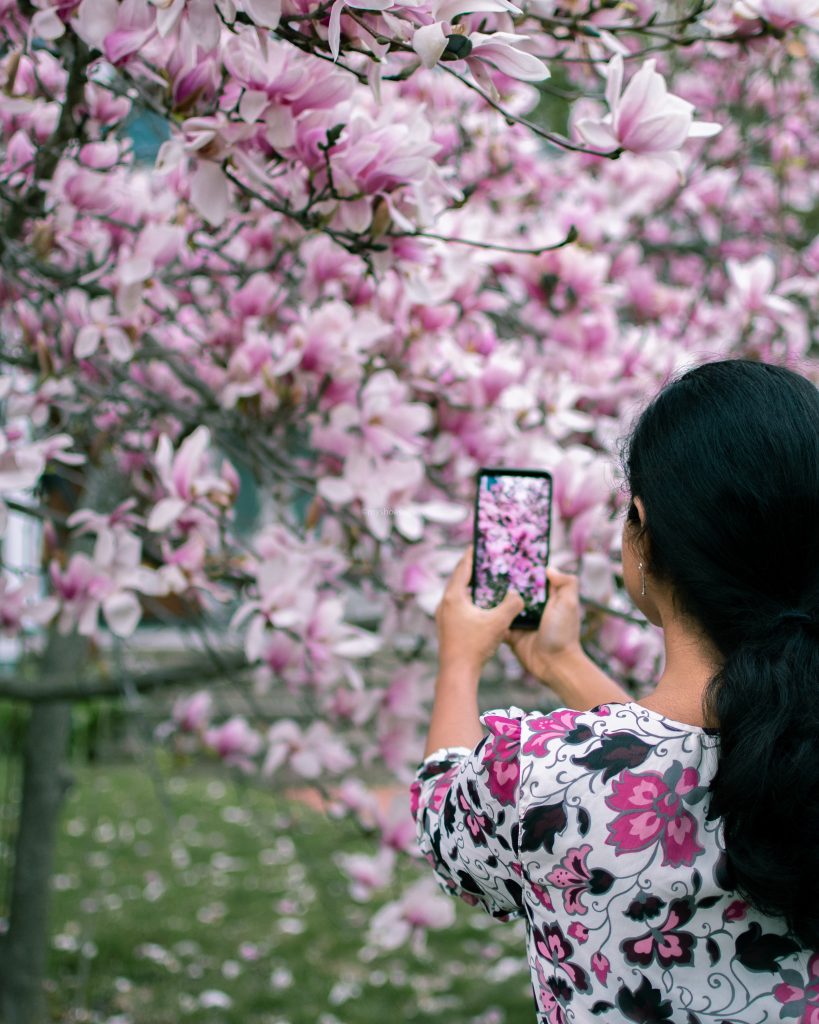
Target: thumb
x,y
512,604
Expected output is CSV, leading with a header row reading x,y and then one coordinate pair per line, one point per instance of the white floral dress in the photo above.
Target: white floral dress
x,y
594,827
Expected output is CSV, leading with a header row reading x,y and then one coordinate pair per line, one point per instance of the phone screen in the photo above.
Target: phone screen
x,y
513,510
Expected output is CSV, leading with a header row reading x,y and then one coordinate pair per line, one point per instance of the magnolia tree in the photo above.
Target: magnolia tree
x,y
384,242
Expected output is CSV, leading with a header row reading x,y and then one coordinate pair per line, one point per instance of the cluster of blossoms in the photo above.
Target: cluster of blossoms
x,y
360,265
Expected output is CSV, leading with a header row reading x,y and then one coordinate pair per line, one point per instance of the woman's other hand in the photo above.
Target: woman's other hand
x,y
541,651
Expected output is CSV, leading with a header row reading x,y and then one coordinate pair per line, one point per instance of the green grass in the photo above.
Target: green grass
x,y
171,887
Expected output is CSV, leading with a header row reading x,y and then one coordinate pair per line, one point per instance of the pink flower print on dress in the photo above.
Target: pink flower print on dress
x,y
478,824
547,728
553,994
600,966
736,911
578,931
500,756
650,812
542,896
554,948
574,878
799,995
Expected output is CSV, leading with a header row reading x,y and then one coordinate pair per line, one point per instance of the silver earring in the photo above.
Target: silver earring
x,y
643,578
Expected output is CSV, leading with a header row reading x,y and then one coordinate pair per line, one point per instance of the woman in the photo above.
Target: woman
x,y
663,853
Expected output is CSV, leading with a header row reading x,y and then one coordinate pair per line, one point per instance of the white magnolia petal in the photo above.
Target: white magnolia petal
x,y
209,192
429,42
335,489
443,512
266,13
87,341
251,104
614,80
122,612
164,513
118,344
704,129
597,134
358,646
409,523
450,9
501,50
334,28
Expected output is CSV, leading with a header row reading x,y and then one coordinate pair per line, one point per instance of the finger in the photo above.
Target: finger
x,y
463,570
511,605
560,579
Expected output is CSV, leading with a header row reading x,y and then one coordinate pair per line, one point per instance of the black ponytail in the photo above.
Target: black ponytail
x,y
726,462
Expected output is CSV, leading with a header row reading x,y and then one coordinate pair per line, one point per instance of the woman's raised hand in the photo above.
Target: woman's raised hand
x,y
539,651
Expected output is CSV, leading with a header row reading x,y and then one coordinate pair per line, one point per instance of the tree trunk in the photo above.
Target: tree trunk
x,y
46,779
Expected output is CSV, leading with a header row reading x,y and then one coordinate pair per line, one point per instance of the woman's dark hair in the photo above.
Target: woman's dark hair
x,y
726,462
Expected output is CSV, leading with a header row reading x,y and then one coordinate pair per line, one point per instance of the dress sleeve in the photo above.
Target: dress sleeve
x,y
465,805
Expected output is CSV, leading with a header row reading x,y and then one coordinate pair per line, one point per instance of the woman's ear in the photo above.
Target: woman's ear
x,y
639,537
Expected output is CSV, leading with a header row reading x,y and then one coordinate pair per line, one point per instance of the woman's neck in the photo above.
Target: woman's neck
x,y
690,664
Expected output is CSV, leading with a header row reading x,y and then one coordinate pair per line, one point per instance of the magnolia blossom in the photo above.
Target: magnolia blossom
x,y
188,482
23,462
367,873
752,286
422,906
101,329
645,118
235,742
442,40
309,753
192,714
108,582
21,605
781,14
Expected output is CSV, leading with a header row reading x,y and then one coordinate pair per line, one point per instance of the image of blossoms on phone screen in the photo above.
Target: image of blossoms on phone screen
x,y
512,543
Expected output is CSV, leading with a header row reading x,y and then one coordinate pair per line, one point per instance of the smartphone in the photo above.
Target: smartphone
x,y
513,519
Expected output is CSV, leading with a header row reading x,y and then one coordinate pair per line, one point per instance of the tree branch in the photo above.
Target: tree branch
x,y
199,671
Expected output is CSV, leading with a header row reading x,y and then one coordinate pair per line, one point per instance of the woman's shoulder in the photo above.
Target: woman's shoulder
x,y
612,726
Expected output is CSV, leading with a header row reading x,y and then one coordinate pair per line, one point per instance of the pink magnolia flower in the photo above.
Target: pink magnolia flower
x,y
108,583
86,520
422,906
334,30
187,480
646,118
328,638
383,421
500,49
22,462
379,483
22,606
367,873
192,713
650,813
752,286
102,327
780,14
310,753
235,742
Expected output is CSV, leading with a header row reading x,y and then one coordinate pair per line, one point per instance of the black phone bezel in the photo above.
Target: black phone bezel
x,y
524,620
